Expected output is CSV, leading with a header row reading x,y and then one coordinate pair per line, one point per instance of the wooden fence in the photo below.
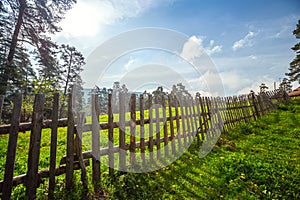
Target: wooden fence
x,y
135,137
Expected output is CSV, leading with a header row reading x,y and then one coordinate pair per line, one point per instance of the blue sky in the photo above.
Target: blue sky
x,y
247,41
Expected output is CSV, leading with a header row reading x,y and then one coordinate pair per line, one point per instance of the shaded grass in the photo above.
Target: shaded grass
x,y
266,165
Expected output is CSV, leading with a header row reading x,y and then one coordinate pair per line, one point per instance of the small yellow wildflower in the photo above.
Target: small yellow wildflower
x,y
242,176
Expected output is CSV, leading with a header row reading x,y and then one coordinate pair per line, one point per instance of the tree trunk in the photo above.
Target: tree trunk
x,y
12,49
67,84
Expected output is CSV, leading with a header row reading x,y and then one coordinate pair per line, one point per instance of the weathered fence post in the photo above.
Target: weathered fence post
x,y
95,144
166,137
142,130
110,137
200,117
177,124
171,124
122,149
53,147
157,128
70,145
183,119
254,104
78,144
188,125
11,149
132,145
33,180
151,129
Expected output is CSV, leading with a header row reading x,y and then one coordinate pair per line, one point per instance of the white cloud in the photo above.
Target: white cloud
x,y
211,49
88,17
209,83
253,57
129,63
234,81
269,82
245,42
194,48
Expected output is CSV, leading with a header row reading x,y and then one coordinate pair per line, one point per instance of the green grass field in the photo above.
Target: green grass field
x,y
264,165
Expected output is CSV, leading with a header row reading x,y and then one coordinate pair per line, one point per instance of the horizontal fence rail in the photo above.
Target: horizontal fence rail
x,y
138,131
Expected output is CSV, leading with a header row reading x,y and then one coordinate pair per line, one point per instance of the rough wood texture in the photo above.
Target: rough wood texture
x,y
171,124
122,145
151,142
111,157
34,149
70,145
177,124
132,145
204,115
21,179
142,130
11,149
157,128
53,144
166,140
95,144
78,145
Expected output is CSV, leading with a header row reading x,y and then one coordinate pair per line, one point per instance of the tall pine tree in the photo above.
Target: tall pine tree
x,y
33,19
294,69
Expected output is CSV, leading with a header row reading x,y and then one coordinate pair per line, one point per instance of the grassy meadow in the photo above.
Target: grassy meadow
x,y
264,164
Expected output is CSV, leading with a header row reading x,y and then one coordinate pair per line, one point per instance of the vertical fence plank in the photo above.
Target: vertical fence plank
x,y
142,129
208,118
200,117
132,145
11,149
183,119
166,137
171,124
187,118
254,106
151,142
122,145
222,109
70,145
230,112
53,144
34,150
79,131
213,124
157,129
219,114
111,157
261,105
193,116
95,144
177,123
204,116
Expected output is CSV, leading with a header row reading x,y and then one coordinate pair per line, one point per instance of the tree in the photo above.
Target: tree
x,y
32,20
294,69
285,85
70,66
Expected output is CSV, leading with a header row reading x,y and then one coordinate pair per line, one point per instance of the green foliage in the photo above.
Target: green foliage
x,y
294,69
